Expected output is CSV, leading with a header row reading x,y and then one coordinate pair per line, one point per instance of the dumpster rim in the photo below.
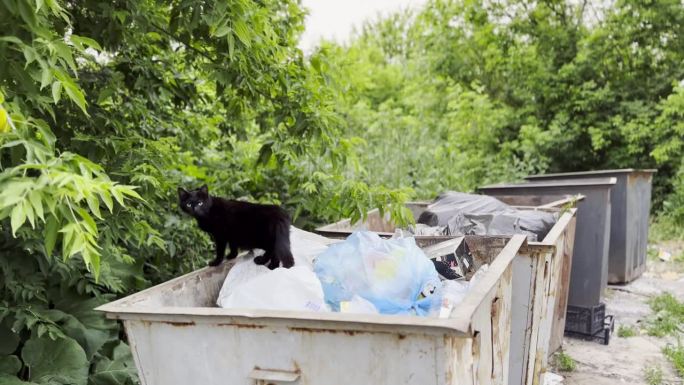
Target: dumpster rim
x,y
127,308
592,172
552,183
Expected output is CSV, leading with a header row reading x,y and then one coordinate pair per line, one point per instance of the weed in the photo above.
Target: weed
x,y
676,355
626,331
564,362
653,375
668,315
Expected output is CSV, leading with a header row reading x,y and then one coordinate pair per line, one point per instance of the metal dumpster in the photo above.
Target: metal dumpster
x,y
630,201
589,271
540,282
179,337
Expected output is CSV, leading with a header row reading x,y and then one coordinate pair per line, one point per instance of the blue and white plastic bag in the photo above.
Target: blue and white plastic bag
x,y
392,274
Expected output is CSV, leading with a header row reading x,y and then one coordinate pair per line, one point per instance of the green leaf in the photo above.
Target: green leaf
x,y
61,361
222,31
45,77
107,199
91,226
76,96
116,371
56,91
10,365
50,234
118,195
242,32
34,198
94,205
72,90
17,218
28,211
90,328
82,41
11,39
29,54
231,46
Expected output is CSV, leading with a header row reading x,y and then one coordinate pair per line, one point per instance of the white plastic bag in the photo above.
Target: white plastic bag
x,y
296,288
305,247
393,274
454,292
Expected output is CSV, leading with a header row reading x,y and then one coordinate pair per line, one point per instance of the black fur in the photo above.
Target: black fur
x,y
240,225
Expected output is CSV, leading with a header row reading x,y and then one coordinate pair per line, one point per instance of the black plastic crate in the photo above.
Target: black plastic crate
x,y
589,323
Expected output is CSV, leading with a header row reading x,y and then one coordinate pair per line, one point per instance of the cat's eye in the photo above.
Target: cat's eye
x,y
200,203
188,204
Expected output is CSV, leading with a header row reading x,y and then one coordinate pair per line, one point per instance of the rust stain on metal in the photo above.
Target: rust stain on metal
x,y
333,331
179,324
244,326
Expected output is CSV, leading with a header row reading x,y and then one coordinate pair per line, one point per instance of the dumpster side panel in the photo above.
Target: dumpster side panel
x,y
621,245
524,267
491,325
541,265
205,353
564,247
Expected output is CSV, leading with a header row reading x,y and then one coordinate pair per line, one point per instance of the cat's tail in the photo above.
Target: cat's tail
x,y
281,249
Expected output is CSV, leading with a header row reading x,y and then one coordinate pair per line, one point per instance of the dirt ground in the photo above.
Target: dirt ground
x,y
624,360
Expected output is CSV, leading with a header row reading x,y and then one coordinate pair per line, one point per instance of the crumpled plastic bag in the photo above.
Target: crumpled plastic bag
x,y
392,274
455,291
241,283
457,213
296,288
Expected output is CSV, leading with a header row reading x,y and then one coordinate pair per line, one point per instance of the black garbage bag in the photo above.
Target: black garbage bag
x,y
472,214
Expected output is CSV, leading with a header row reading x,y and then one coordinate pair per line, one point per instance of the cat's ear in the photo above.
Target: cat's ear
x,y
204,189
182,193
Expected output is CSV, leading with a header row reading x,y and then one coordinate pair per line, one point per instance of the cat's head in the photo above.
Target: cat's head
x,y
195,202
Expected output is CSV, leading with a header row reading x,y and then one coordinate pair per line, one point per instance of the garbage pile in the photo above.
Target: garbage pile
x,y
362,274
456,213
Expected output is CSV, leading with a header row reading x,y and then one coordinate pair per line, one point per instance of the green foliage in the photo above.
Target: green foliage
x,y
653,375
564,362
463,93
675,353
668,316
626,331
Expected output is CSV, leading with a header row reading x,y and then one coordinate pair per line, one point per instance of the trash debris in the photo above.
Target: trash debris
x,y
246,276
664,255
456,213
552,379
296,289
454,291
392,274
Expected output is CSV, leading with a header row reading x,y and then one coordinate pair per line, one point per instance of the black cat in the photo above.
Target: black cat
x,y
241,225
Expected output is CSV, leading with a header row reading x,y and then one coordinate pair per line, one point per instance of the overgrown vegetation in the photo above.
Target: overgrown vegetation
x,y
675,353
564,362
626,331
105,107
668,316
653,375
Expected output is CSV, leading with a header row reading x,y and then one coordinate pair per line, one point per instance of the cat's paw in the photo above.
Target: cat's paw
x,y
262,259
215,262
274,264
288,263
